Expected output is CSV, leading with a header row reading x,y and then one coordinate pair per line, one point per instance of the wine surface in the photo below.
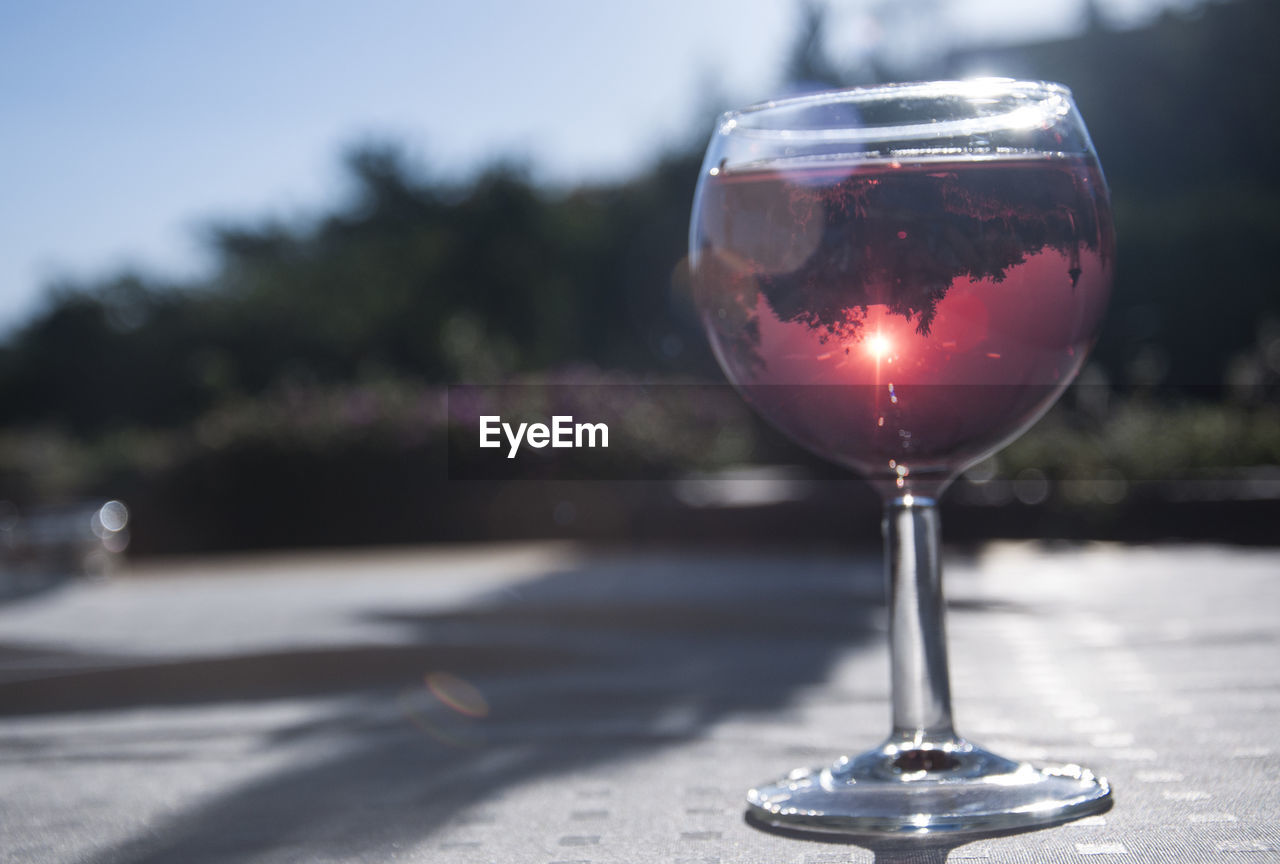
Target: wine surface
x,y
903,318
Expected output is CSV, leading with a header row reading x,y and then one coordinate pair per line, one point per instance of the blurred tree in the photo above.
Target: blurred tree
x,y
809,67
1182,114
412,278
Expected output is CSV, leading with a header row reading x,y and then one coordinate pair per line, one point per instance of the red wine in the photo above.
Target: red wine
x,y
903,318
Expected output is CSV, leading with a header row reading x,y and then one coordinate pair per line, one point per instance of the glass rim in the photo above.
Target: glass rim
x,y
1042,104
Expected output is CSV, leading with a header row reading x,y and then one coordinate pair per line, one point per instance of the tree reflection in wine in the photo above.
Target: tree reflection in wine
x,y
902,279
926,274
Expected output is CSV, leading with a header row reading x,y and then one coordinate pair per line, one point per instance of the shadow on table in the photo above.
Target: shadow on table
x,y
610,660
22,581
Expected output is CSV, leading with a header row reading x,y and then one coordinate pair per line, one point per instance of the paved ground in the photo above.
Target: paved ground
x,y
542,704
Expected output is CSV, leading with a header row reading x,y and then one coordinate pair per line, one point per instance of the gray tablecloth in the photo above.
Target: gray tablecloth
x,y
545,704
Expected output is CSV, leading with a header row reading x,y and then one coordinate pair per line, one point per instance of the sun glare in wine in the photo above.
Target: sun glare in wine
x,y
878,345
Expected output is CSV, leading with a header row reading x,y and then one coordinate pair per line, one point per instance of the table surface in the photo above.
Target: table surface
x,y
548,704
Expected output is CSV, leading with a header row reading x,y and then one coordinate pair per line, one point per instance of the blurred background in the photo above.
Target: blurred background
x,y
247,248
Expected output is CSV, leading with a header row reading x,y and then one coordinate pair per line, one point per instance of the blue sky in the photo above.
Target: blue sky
x,y
131,124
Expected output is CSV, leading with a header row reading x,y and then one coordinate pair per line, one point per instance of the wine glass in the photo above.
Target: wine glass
x,y
902,279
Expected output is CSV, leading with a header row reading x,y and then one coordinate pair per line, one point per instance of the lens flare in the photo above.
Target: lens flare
x,y
460,695
454,727
460,737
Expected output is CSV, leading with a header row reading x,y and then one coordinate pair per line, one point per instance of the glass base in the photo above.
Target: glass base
x,y
912,788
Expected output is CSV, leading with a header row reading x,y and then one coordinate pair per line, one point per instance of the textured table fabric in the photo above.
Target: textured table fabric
x,y
545,704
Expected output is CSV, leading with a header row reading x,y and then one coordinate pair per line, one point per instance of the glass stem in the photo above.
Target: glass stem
x,y
917,637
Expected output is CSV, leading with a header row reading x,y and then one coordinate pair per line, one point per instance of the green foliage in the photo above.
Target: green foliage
x,y
1148,442
413,278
